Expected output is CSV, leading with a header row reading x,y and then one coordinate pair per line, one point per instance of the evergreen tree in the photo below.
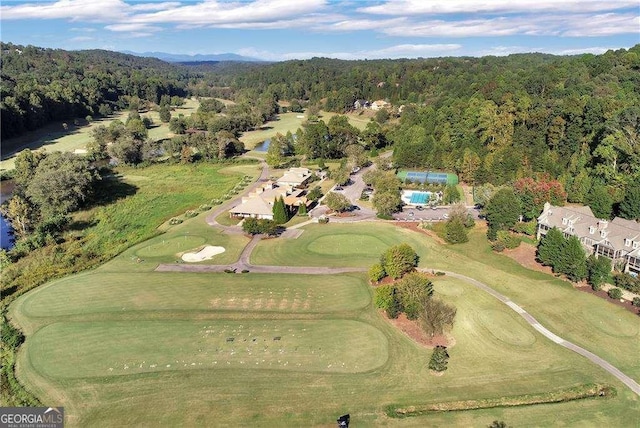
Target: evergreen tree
x,y
573,262
280,211
439,359
302,209
455,231
551,248
165,114
503,210
630,205
600,201
598,269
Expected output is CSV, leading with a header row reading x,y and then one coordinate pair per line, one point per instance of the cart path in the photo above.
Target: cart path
x,y
628,381
211,217
244,263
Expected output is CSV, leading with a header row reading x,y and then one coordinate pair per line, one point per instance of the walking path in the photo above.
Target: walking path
x,y
244,264
632,384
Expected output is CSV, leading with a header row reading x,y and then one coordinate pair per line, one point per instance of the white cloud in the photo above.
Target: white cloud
x,y
81,39
574,25
88,10
212,12
132,28
604,25
424,7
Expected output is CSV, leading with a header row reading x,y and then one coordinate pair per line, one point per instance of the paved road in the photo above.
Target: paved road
x,y
629,382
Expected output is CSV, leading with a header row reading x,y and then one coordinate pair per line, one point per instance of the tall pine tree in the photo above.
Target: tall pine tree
x,y
280,215
573,262
551,248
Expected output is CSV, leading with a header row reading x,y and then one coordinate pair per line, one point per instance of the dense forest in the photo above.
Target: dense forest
x,y
42,85
490,119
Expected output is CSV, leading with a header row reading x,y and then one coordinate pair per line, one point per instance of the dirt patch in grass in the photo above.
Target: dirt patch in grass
x,y
525,255
416,228
413,330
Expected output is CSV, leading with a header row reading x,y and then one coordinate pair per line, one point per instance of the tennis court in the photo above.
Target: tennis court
x,y
428,177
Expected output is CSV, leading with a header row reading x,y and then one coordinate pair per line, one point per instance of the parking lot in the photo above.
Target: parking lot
x,y
410,213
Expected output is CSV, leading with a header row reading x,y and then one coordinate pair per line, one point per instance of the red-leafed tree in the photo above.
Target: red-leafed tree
x,y
533,193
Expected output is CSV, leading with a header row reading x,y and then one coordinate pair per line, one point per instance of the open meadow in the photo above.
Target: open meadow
x,y
123,345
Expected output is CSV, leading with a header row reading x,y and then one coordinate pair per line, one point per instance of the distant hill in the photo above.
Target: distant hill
x,y
169,57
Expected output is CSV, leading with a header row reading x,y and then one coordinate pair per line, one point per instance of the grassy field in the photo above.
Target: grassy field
x,y
155,194
338,245
55,138
122,345
291,122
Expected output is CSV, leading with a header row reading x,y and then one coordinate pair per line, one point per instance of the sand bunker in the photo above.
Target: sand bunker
x,y
205,253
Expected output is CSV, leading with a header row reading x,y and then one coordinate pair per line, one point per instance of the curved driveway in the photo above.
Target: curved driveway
x,y
632,384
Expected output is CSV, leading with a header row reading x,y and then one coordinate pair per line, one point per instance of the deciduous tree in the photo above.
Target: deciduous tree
x,y
337,202
398,260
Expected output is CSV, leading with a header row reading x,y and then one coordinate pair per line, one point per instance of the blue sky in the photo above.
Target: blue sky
x,y
287,29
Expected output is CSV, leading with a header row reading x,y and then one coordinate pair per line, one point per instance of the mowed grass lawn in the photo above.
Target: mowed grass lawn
x,y
338,245
147,363
593,323
123,345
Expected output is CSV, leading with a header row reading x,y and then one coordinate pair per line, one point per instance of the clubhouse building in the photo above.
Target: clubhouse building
x,y
259,203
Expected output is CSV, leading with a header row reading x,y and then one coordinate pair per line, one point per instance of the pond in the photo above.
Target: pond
x,y
6,234
264,146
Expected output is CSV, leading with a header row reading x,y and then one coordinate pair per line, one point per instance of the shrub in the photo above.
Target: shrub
x,y
626,281
323,220
384,216
498,246
615,293
175,221
528,228
216,201
509,240
636,302
376,272
204,207
439,359
190,213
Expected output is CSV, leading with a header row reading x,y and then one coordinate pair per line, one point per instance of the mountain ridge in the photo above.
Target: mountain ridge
x,y
171,57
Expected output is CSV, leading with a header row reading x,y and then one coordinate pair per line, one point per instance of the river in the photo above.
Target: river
x,y
6,234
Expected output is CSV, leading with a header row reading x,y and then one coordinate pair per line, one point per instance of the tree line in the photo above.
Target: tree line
x,y
44,85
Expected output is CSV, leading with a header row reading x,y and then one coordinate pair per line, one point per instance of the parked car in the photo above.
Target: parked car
x,y
338,188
